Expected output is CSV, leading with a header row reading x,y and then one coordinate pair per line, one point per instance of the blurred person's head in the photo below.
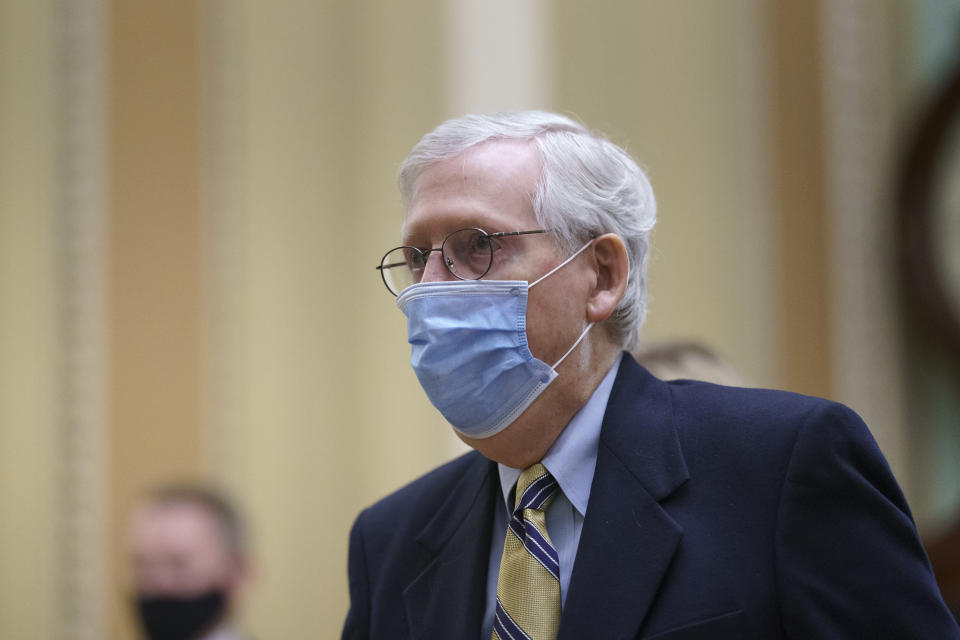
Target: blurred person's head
x,y
190,562
687,360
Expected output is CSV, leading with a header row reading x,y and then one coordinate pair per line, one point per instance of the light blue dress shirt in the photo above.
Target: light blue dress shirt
x,y
571,460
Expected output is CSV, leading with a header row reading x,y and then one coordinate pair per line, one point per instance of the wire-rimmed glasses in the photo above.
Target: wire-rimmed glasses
x,y
466,253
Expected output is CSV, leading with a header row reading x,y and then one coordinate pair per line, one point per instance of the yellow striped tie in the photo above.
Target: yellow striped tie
x,y
528,588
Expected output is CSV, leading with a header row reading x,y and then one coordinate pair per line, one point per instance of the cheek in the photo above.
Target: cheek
x,y
549,320
556,314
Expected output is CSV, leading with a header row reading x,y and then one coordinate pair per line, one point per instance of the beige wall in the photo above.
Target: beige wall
x,y
251,153
29,330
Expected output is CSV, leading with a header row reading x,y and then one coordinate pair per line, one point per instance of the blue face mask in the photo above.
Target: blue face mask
x,y
469,350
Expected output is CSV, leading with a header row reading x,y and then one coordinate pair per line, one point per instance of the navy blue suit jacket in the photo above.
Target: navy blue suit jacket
x,y
714,513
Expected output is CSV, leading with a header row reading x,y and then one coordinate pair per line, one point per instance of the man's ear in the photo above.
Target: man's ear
x,y
612,266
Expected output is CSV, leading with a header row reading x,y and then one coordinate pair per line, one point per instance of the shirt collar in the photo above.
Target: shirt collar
x,y
573,457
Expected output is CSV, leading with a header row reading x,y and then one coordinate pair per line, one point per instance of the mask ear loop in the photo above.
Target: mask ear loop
x,y
570,350
551,272
560,266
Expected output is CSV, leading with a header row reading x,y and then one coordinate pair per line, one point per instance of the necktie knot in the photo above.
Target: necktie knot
x,y
536,489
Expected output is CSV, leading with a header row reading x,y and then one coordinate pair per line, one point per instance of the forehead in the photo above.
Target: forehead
x,y
490,186
181,526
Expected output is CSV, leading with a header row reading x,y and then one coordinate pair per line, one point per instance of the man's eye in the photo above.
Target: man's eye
x,y
485,244
415,259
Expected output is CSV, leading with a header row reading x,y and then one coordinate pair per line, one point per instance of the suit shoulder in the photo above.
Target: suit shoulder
x,y
747,406
753,425
704,405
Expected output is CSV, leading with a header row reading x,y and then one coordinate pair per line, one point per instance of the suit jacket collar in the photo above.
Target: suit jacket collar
x,y
446,599
638,430
628,540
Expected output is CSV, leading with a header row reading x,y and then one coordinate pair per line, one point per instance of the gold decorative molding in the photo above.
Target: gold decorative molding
x,y
80,229
860,107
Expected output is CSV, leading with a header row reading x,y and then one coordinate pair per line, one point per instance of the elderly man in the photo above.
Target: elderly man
x,y
187,546
601,502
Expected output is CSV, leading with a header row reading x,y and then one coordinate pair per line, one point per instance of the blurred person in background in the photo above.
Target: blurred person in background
x,y
190,563
687,360
601,501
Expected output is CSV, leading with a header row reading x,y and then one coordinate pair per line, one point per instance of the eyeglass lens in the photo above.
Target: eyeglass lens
x,y
467,253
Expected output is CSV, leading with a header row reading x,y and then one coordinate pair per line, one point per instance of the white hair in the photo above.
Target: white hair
x,y
588,186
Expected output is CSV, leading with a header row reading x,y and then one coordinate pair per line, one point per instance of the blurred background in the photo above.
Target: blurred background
x,y
193,195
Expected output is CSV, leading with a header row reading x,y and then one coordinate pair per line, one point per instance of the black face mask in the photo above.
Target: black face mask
x,y
168,618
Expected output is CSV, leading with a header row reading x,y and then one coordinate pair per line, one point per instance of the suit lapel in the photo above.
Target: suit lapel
x,y
446,600
628,540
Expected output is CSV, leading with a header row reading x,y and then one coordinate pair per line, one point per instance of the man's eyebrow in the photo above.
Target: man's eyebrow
x,y
411,240
453,224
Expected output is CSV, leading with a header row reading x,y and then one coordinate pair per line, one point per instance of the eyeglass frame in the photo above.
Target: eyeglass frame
x,y
426,253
